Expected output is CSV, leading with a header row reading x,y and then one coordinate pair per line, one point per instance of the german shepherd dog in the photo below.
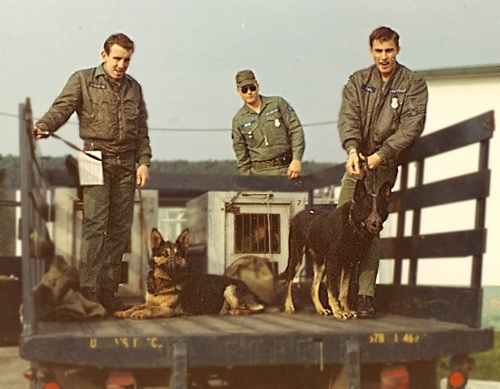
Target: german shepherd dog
x,y
174,289
335,241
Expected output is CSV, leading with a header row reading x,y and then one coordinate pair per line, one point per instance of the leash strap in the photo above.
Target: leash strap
x,y
79,149
74,147
144,238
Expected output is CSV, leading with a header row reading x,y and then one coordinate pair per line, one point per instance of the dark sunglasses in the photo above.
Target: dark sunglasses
x,y
246,88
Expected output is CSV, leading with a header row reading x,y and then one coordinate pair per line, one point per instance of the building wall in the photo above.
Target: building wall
x,y
452,100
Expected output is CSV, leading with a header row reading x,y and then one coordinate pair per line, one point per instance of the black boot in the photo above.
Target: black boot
x,y
110,301
365,307
90,294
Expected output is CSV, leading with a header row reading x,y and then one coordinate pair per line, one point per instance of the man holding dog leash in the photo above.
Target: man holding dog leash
x,y
112,120
382,113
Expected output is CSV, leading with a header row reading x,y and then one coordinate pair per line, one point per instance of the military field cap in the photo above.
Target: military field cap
x,y
245,77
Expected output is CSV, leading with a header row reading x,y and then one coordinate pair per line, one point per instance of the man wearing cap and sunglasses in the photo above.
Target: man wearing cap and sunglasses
x,y
268,138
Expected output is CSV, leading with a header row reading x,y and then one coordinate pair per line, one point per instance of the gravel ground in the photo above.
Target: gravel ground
x,y
12,368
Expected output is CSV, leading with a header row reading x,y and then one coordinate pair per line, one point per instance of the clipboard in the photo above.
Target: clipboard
x,y
90,169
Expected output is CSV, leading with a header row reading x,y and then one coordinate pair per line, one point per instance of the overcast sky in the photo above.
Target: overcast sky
x,y
187,52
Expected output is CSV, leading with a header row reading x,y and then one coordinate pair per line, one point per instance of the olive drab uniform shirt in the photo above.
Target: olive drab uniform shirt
x,y
263,136
382,117
112,114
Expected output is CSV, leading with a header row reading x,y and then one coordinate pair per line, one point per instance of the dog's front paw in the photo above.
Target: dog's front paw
x,y
255,308
342,315
324,312
121,314
239,312
142,314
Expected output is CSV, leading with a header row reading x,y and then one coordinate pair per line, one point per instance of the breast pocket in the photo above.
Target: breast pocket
x,y
274,120
248,130
131,110
101,101
390,118
396,103
276,130
101,113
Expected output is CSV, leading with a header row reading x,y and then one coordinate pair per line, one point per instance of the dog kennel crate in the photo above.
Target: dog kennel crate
x,y
226,225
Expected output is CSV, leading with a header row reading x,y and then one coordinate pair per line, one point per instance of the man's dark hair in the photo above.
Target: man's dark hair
x,y
119,39
384,34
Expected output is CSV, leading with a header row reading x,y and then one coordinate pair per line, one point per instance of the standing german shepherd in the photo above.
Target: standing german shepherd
x,y
174,289
336,240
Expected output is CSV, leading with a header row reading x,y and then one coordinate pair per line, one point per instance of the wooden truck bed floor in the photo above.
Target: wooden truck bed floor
x,y
264,339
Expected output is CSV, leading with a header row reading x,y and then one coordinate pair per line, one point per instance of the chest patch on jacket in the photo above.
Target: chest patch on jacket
x,y
97,85
368,88
271,112
248,124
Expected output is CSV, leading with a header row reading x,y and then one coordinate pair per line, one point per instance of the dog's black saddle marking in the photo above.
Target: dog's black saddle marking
x,y
204,293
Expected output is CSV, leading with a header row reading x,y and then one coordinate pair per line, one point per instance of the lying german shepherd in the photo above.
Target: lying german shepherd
x,y
174,289
335,240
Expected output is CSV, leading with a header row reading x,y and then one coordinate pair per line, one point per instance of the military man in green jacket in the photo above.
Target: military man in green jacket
x,y
382,113
112,117
268,138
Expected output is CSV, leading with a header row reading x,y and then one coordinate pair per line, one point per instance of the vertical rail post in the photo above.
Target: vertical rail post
x,y
415,230
353,363
398,265
29,320
178,374
310,198
479,222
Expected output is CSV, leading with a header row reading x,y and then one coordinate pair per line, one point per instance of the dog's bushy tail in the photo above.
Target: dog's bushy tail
x,y
295,252
283,276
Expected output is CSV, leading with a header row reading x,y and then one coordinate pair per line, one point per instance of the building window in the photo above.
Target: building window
x,y
253,231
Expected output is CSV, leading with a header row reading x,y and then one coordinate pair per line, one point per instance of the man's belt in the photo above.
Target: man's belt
x,y
281,161
108,151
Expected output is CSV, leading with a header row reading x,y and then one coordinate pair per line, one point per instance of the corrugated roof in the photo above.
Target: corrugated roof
x,y
492,70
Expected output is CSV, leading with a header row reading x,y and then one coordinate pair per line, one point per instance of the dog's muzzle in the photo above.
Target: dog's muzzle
x,y
175,266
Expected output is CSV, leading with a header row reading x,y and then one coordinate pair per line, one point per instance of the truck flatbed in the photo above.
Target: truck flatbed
x,y
264,339
449,317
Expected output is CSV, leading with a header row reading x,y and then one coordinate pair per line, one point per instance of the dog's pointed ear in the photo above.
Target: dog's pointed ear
x,y
184,238
156,238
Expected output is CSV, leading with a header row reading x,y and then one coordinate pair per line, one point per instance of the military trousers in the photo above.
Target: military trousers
x,y
106,226
369,265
